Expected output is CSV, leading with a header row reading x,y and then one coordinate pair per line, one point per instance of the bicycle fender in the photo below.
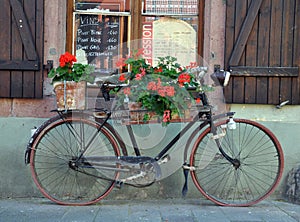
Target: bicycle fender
x,y
33,138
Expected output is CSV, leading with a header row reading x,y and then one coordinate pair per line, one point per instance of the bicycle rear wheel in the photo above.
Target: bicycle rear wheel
x,y
56,148
261,164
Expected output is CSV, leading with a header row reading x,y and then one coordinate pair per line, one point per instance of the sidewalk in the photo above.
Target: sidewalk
x,y
178,210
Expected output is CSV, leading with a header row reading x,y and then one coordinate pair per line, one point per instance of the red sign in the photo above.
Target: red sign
x,y
147,38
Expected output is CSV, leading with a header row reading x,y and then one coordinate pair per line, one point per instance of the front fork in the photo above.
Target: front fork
x,y
230,125
216,136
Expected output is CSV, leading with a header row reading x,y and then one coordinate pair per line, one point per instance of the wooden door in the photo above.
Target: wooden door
x,y
263,51
21,48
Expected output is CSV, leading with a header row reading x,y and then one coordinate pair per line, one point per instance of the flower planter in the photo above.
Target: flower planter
x,y
137,113
164,88
70,95
186,116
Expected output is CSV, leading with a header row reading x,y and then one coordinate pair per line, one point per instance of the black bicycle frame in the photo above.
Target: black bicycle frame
x,y
209,120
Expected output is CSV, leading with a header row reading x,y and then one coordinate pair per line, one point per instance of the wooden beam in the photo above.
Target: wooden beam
x,y
246,28
201,29
20,65
69,40
264,71
136,23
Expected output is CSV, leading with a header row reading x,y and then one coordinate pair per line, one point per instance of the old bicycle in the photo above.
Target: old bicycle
x,y
77,159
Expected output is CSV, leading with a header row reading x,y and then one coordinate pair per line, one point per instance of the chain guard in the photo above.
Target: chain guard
x,y
138,171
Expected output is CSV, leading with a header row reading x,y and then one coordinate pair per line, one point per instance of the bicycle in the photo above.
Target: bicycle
x,y
77,159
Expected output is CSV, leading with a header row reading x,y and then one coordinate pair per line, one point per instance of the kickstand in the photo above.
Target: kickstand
x,y
185,186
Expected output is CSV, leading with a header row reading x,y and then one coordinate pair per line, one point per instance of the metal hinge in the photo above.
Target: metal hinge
x,y
48,66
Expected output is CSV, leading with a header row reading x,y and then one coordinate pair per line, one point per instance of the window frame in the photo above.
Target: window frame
x,y
136,25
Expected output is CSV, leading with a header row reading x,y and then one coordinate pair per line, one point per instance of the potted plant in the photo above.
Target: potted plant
x,y
163,90
69,82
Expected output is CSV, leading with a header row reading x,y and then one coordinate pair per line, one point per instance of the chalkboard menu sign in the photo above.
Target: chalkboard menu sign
x,y
97,39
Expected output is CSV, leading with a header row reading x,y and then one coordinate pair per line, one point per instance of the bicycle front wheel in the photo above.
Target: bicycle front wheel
x,y
53,155
258,172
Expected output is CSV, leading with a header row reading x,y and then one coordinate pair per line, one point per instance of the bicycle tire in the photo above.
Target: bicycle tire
x,y
59,142
261,164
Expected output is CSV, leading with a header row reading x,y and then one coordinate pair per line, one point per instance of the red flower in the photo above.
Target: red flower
x,y
143,71
184,78
67,58
166,116
127,91
170,91
161,92
121,62
192,65
122,78
157,70
158,82
151,86
138,76
198,100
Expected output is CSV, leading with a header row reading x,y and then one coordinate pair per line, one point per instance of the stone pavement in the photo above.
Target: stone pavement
x,y
170,210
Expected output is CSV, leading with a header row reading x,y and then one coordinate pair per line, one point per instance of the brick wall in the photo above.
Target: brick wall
x,y
26,107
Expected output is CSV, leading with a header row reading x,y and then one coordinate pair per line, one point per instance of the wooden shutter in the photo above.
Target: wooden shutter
x,y
263,51
21,48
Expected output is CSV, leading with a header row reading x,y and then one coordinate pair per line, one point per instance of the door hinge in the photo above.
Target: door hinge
x,y
49,65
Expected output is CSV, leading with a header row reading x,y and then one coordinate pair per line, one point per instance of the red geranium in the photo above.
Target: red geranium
x,y
158,70
121,62
127,91
184,78
70,70
122,77
67,58
160,88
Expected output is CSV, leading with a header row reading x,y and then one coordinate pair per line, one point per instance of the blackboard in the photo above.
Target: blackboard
x,y
98,36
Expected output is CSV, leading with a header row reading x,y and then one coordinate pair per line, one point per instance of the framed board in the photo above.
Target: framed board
x,y
98,33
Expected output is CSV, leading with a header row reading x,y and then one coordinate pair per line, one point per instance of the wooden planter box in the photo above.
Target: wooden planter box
x,y
136,115
70,95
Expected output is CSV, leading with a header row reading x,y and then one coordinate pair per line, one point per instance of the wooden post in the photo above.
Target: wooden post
x,y
136,23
